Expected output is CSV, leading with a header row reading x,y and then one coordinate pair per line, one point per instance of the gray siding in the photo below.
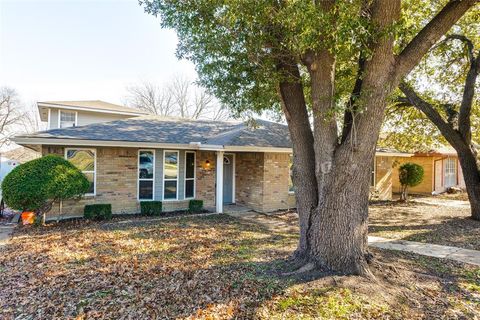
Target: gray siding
x,y
85,117
53,119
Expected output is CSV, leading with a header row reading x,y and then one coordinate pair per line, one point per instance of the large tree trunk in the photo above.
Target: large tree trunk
x,y
471,175
331,174
338,232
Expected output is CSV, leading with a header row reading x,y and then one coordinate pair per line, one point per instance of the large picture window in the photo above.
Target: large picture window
x,y
84,160
146,174
189,175
67,119
170,175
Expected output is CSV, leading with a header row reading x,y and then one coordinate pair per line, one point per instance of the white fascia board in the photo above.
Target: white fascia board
x,y
100,143
393,154
138,144
257,149
58,106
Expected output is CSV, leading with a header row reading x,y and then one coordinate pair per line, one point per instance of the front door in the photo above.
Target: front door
x,y
227,178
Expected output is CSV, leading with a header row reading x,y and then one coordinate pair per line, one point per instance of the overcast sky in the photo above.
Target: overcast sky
x,y
83,49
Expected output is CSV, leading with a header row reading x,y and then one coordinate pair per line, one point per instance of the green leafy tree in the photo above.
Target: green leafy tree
x,y
441,92
410,175
322,63
37,184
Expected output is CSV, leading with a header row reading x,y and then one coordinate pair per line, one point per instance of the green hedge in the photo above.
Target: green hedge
x,y
195,206
151,208
98,211
35,184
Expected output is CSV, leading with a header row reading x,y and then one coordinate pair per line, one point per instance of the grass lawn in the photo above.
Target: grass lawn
x,y
214,267
422,222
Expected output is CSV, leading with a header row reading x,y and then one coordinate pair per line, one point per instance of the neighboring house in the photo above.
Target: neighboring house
x,y
175,160
11,159
381,186
442,170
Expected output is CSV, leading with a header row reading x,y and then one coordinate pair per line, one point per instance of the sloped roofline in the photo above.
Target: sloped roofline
x,y
70,105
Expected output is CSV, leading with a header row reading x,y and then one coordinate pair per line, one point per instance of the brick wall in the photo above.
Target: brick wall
x,y
262,181
249,175
276,174
205,178
383,179
116,181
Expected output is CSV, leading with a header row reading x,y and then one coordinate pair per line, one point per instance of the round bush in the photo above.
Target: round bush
x,y
36,184
411,174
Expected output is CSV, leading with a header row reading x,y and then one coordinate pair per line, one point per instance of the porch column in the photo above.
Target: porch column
x,y
219,177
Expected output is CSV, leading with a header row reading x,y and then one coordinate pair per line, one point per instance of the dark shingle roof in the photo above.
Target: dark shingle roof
x,y
157,129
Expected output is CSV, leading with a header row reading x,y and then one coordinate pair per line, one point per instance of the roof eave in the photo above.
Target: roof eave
x,y
88,109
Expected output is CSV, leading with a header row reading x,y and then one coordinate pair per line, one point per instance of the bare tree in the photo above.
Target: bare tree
x,y
181,98
12,114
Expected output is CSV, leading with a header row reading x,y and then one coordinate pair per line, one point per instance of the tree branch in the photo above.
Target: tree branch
x,y
447,130
429,35
464,125
352,107
468,43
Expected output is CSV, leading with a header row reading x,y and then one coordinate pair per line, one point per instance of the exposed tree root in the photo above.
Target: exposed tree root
x,y
303,269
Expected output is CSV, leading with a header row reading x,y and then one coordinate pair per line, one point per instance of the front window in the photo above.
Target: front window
x,y
291,188
84,160
450,172
146,174
170,175
189,174
67,119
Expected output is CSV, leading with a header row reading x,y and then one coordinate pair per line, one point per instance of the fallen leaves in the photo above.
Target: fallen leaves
x,y
199,268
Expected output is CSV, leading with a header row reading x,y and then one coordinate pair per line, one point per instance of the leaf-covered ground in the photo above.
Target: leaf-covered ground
x,y
214,267
430,223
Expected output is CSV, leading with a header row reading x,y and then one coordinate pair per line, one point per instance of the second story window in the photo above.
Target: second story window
x,y
67,119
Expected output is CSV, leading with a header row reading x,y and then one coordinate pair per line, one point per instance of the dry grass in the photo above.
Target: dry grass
x,y
422,222
214,267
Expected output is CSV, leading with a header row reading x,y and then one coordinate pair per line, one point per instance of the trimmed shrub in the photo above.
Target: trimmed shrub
x,y
151,208
195,206
37,184
98,211
410,175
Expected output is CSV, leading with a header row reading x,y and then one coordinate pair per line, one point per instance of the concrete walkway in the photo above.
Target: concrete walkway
x,y
426,249
444,202
5,233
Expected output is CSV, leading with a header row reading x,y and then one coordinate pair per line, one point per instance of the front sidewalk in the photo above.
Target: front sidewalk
x,y
5,233
426,249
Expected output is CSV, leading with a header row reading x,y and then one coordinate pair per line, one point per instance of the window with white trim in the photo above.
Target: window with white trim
x,y
291,188
85,161
189,174
146,174
450,172
170,175
67,119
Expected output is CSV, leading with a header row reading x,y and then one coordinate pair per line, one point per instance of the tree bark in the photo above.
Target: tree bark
x,y
331,173
471,175
293,103
458,140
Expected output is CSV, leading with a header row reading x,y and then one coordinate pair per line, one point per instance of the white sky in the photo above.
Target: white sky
x,y
83,49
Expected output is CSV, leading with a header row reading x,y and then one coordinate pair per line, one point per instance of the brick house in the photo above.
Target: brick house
x,y
441,171
131,157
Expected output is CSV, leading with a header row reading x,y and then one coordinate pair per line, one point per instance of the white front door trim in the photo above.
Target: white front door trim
x,y
219,182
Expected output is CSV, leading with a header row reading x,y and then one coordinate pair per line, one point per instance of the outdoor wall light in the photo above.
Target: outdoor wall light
x,y
207,165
